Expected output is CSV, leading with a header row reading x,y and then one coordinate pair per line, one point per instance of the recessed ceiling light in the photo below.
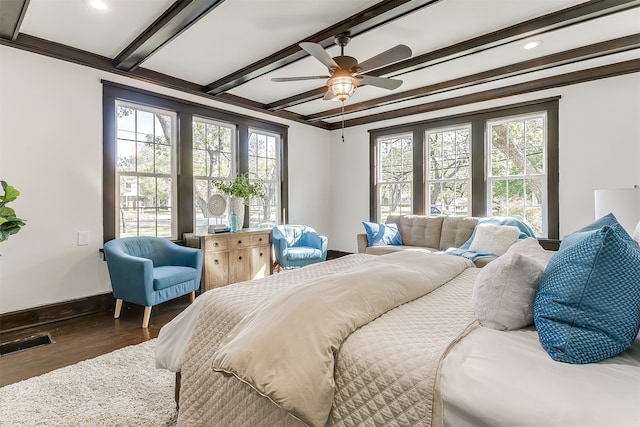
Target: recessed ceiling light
x,y
531,44
98,4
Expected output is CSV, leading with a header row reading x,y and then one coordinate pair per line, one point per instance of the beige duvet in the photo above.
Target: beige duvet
x,y
384,373
285,348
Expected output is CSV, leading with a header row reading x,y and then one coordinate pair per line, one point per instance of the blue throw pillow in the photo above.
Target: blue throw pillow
x,y
578,235
587,307
382,234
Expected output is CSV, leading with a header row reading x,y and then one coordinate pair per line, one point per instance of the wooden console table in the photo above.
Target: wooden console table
x,y
232,257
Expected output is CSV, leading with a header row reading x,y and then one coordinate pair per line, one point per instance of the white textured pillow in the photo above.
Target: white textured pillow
x,y
505,289
494,239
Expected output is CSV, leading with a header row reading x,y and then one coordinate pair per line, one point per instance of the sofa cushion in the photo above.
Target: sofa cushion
x,y
456,230
382,234
587,308
418,230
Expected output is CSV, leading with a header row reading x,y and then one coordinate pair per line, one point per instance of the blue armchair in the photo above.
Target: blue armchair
x,y
298,245
151,270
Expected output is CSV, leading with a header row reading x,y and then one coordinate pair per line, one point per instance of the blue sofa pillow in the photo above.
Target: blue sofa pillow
x,y
382,234
587,307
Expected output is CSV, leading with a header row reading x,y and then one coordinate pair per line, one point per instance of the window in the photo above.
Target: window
x,y
394,177
501,161
213,160
517,179
161,155
448,170
145,171
264,165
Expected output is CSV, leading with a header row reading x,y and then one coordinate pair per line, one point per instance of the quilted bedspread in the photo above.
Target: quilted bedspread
x,y
386,372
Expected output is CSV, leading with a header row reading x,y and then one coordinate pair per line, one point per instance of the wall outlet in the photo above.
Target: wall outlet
x,y
83,238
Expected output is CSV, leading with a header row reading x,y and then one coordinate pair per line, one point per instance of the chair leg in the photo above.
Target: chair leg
x,y
192,297
145,318
116,313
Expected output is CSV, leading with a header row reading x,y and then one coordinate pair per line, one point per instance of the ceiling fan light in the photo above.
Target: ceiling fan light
x,y
343,87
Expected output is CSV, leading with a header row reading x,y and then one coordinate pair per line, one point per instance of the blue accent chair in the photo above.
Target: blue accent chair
x,y
297,245
151,270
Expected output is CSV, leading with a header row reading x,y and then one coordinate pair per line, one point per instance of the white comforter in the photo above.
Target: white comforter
x,y
490,378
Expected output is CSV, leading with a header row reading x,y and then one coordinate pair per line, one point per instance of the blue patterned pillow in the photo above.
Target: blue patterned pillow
x,y
578,235
587,307
382,234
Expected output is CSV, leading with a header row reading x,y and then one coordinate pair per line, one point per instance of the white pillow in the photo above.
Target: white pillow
x,y
505,289
636,233
494,239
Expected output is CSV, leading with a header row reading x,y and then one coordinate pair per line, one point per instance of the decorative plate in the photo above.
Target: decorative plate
x,y
217,205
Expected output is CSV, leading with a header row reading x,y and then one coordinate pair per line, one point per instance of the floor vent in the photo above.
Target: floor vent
x,y
25,343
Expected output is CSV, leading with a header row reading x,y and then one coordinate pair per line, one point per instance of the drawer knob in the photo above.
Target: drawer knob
x,y
216,244
260,253
239,242
240,257
260,239
216,262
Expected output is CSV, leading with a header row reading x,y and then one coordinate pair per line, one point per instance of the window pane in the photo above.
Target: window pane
x,y
264,166
145,171
395,175
448,171
212,161
518,180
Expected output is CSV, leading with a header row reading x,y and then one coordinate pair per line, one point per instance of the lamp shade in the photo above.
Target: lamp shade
x,y
624,203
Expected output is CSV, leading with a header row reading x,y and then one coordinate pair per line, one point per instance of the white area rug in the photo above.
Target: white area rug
x,y
121,388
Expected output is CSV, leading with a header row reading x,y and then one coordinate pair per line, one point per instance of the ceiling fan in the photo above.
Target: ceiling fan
x,y
345,73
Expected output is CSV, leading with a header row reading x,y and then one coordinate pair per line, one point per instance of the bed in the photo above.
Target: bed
x,y
424,361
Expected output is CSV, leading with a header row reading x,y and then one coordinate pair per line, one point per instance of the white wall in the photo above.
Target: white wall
x,y
51,150
599,145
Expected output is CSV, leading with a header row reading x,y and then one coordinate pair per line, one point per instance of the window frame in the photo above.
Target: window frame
x,y
378,170
186,110
478,172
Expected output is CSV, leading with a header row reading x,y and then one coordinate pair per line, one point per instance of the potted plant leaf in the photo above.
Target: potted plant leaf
x,y
9,222
239,191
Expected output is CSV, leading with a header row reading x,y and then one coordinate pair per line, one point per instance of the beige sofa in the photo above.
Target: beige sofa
x,y
426,233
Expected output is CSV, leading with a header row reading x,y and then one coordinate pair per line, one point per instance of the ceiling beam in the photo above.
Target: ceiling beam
x,y
536,26
571,56
603,72
77,56
180,16
377,15
11,15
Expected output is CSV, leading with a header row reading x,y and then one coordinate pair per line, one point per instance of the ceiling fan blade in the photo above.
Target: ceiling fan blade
x,y
380,82
293,79
390,56
315,50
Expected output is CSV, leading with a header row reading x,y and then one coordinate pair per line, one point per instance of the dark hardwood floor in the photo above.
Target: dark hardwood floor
x,y
83,338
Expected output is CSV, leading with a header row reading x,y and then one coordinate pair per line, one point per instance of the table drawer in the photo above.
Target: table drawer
x,y
259,239
216,243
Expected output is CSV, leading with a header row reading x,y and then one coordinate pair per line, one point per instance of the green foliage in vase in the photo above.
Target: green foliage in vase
x,y
9,222
241,188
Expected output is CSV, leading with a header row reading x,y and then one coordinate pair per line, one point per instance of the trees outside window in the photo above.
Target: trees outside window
x,y
145,171
264,166
449,170
213,160
516,178
394,175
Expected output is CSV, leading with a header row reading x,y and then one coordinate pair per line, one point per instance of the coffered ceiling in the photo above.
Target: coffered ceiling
x,y
463,51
